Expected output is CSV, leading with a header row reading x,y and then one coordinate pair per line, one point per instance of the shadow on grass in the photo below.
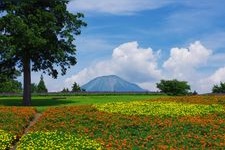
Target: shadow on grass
x,y
36,102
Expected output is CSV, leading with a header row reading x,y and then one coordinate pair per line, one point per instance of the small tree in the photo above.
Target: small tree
x,y
173,87
41,88
219,88
33,88
65,90
195,93
76,87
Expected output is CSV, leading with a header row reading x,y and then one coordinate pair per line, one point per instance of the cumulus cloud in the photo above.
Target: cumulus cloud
x,y
140,66
183,62
128,61
207,83
121,7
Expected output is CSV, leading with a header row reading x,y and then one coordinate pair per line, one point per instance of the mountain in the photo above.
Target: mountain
x,y
111,83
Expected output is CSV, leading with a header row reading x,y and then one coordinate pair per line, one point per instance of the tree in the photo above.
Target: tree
x,y
195,93
219,88
33,88
10,86
65,90
41,88
38,35
76,87
173,87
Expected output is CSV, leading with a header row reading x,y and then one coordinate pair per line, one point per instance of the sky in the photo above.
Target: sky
x,y
144,41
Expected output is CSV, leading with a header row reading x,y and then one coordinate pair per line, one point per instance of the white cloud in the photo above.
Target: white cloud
x,y
140,65
218,76
119,7
183,62
207,83
128,61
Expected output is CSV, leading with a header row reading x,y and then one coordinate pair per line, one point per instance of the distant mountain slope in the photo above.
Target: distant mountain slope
x,y
111,83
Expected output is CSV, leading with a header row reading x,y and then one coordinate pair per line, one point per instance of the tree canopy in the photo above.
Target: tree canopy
x,y
76,87
38,35
8,84
219,88
173,87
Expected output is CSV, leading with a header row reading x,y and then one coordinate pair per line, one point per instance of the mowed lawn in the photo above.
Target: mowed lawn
x,y
116,122
43,102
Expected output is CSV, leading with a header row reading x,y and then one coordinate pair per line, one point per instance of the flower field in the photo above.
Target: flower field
x,y
164,123
13,121
160,109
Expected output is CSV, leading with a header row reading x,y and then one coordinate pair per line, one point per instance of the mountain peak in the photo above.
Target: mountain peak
x,y
111,83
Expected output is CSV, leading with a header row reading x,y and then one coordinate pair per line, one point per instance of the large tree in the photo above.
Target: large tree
x,y
174,87
38,35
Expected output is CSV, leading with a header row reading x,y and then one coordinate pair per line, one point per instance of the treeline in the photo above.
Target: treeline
x,y
174,87
10,85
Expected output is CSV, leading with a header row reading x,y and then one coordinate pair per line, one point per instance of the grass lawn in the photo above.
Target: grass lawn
x,y
43,102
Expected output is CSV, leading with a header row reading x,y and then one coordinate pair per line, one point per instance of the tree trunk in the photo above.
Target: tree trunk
x,y
26,81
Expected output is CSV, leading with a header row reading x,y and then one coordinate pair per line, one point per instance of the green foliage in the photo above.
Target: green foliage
x,y
7,73
173,87
33,88
38,35
41,88
65,90
43,30
10,86
76,87
219,88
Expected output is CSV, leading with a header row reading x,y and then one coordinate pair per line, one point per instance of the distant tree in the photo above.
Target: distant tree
x,y
65,90
195,93
219,88
76,87
34,88
37,35
41,88
173,87
10,86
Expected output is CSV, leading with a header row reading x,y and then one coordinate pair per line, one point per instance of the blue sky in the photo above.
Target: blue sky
x,y
144,41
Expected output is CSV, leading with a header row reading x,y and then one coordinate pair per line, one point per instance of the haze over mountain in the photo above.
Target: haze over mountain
x,y
111,83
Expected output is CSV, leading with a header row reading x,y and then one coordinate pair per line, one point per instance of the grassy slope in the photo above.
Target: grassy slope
x,y
42,102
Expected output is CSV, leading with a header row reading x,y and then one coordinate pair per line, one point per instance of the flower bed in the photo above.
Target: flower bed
x,y
119,131
56,140
6,139
161,109
13,121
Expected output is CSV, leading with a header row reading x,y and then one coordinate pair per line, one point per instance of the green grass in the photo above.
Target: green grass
x,y
43,102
